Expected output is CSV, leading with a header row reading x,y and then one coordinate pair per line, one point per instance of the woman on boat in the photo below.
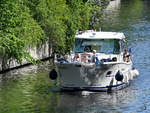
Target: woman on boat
x,y
76,57
84,57
126,55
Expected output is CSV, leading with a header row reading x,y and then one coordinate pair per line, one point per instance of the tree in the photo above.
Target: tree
x,y
31,22
17,31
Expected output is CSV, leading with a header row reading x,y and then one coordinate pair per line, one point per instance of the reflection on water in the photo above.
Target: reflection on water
x,y
33,92
97,102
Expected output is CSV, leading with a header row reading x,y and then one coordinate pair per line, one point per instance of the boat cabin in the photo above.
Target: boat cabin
x,y
102,42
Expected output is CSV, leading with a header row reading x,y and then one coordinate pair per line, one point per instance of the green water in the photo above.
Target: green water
x,y
28,93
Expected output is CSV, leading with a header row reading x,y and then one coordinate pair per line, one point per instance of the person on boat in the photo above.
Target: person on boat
x,y
76,57
126,55
84,57
93,59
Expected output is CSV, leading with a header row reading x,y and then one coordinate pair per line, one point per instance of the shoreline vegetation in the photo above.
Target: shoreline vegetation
x,y
27,23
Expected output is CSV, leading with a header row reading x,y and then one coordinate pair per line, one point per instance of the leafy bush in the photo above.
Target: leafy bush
x,y
30,22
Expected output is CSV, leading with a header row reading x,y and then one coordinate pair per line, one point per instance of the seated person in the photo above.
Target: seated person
x,y
126,55
76,57
84,58
93,59
87,48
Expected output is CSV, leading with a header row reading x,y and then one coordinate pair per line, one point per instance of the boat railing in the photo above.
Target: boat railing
x,y
71,60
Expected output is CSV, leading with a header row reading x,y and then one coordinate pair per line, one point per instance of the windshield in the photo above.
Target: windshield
x,y
100,45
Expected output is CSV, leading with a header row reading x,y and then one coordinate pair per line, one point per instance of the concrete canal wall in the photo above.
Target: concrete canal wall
x,y
113,5
40,52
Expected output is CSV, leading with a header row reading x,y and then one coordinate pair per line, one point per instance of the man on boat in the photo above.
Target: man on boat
x,y
76,58
93,59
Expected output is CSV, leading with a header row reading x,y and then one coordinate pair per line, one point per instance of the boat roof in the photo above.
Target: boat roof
x,y
90,34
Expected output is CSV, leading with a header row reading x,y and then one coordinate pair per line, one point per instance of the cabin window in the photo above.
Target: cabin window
x,y
100,45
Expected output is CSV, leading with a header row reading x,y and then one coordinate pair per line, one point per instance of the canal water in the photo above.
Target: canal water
x,y
34,92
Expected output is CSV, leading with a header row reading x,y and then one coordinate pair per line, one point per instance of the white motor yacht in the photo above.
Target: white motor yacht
x,y
97,63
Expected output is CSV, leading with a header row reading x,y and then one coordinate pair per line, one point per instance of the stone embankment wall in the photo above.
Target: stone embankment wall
x,y
40,52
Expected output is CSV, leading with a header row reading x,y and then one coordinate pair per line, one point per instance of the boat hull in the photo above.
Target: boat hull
x,y
99,89
93,77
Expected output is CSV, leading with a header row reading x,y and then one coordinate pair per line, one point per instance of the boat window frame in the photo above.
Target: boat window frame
x,y
117,52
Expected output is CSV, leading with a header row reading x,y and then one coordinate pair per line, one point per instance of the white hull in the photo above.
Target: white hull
x,y
91,77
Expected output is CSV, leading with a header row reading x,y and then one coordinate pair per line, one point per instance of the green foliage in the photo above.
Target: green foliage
x,y
50,15
30,22
60,19
97,12
18,30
